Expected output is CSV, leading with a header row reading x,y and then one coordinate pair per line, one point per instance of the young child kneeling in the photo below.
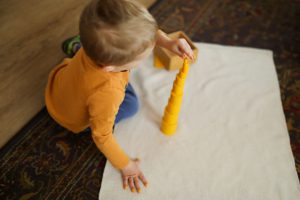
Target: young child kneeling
x,y
91,89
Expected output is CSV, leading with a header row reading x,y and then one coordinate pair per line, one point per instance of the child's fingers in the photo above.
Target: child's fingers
x,y
143,179
125,181
189,51
131,184
181,52
184,45
186,53
137,184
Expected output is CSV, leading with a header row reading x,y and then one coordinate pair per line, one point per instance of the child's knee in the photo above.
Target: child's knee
x,y
134,107
128,108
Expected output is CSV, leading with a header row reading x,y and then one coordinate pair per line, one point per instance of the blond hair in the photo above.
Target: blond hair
x,y
115,32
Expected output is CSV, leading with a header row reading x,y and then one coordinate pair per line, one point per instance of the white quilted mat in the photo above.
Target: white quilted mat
x,y
231,143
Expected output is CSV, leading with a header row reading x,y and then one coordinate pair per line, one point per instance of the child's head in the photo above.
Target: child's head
x,y
117,32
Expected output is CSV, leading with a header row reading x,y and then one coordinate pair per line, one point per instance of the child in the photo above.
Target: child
x,y
92,90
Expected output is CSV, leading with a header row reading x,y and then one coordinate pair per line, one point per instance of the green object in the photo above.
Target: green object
x,y
68,45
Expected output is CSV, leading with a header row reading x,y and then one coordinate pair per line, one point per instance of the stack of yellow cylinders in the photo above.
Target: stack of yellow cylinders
x,y
170,118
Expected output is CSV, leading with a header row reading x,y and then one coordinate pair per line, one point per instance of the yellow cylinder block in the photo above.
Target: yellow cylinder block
x,y
171,113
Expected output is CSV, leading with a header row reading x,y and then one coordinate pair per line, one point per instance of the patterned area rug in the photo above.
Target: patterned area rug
x,y
44,162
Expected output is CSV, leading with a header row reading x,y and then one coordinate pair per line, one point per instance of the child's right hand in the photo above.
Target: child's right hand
x,y
131,175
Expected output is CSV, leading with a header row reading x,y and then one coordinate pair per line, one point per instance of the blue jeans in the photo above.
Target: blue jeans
x,y
128,107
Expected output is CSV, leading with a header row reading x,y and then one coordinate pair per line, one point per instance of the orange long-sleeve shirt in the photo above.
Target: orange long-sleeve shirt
x,y
79,94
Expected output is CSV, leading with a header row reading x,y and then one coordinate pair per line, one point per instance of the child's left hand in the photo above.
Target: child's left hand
x,y
181,48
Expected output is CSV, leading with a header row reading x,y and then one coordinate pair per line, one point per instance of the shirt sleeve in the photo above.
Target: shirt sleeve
x,y
103,107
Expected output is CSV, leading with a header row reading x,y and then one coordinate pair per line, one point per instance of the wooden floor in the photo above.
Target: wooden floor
x,y
31,33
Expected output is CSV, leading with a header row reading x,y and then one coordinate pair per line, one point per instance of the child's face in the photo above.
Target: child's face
x,y
129,65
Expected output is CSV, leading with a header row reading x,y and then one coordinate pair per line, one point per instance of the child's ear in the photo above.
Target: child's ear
x,y
108,68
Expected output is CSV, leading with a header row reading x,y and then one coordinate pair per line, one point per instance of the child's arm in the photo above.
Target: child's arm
x,y
103,107
178,46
